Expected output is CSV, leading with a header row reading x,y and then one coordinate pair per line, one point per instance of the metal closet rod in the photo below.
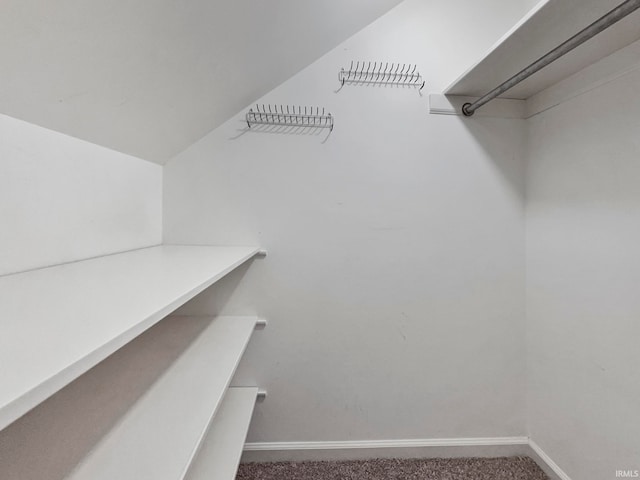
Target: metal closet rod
x,y
578,39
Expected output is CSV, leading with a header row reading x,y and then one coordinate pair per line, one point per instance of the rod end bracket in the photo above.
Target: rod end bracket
x,y
465,110
261,324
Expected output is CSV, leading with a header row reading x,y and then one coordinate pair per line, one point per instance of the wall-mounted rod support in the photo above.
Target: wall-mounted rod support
x,y
261,324
578,39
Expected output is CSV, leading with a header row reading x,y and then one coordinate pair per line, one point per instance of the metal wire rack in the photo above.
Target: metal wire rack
x,y
366,73
289,116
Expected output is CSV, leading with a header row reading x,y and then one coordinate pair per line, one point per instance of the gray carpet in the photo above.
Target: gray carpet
x,y
506,468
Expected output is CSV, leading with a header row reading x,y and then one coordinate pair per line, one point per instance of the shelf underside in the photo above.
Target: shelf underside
x,y
159,436
547,26
220,452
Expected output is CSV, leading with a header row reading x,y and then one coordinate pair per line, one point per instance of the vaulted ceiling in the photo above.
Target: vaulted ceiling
x,y
150,77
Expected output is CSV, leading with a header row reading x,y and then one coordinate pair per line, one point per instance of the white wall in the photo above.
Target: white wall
x,y
583,274
394,283
529,4
63,199
150,77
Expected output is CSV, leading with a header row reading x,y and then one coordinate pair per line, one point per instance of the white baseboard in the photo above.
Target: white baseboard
x,y
545,462
411,448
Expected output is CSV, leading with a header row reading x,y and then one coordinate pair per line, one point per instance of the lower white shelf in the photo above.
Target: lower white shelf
x,y
158,438
221,450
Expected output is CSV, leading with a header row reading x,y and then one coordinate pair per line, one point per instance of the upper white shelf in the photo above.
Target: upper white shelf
x,y
60,321
548,25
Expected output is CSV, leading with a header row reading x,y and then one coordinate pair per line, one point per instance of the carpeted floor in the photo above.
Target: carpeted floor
x,y
507,468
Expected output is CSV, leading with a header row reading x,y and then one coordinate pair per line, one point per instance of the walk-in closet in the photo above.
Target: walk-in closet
x,y
329,240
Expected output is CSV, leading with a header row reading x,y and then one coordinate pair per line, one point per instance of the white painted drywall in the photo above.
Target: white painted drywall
x,y
529,4
63,199
583,275
394,284
150,77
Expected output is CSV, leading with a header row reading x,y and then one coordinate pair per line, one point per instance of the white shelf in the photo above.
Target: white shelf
x,y
160,434
60,321
221,450
548,25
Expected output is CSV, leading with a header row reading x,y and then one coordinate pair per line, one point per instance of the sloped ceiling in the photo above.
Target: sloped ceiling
x,y
150,77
